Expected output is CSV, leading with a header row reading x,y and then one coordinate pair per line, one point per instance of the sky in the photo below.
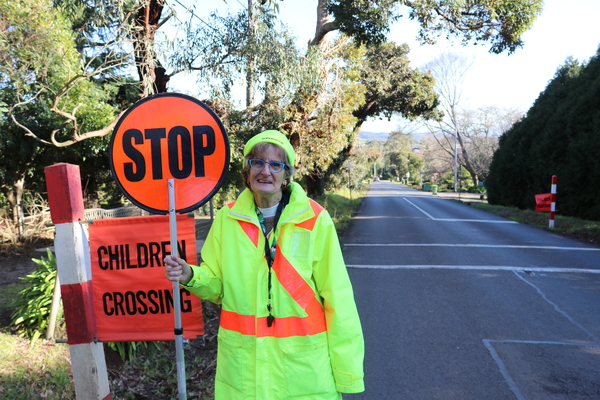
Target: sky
x,y
564,29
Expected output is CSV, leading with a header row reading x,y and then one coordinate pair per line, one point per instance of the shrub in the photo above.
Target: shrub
x,y
477,189
33,303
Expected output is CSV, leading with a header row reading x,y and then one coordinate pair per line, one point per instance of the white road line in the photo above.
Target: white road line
x,y
503,370
495,246
481,268
459,220
548,342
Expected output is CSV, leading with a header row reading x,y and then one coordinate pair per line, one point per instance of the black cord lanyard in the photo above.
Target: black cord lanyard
x,y
270,250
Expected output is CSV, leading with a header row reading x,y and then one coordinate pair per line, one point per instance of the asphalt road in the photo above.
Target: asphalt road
x,y
460,304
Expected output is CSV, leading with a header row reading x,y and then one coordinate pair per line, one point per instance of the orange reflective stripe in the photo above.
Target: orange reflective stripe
x,y
302,294
281,328
243,324
291,280
310,223
251,230
297,288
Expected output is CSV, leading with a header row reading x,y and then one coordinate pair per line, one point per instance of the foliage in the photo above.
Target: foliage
x,y
319,99
560,135
477,189
585,230
366,21
501,23
41,81
392,86
34,302
127,350
32,307
464,180
397,157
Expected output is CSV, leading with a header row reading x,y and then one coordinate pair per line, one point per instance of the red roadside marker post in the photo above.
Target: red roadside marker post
x,y
169,154
546,202
552,201
88,364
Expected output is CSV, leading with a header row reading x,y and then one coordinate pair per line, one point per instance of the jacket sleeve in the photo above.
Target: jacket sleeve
x,y
344,331
207,282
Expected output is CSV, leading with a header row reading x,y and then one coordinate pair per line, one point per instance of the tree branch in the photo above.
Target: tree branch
x,y
322,31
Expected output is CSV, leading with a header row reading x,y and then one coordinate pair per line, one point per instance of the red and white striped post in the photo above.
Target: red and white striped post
x,y
71,245
553,201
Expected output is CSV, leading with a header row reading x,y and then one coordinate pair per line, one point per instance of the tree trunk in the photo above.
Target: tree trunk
x,y
251,66
324,24
14,196
315,184
153,76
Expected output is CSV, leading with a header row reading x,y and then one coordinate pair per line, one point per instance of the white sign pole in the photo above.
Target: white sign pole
x,y
177,297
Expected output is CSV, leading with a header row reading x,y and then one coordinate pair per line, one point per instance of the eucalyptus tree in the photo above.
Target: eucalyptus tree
x,y
501,23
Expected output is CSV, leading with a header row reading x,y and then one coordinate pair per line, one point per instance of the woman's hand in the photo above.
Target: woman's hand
x,y
177,270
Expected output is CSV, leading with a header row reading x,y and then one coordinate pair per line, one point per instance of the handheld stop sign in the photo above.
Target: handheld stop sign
x,y
169,154
169,136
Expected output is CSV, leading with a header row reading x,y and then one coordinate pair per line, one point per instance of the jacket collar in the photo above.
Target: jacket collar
x,y
296,211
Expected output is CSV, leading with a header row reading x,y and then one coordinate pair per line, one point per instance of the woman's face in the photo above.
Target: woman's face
x,y
264,182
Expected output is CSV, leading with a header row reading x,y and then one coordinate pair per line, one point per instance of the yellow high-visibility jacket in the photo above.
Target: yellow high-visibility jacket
x,y
314,348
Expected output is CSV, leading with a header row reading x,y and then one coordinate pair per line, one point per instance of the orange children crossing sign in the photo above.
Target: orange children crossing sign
x,y
169,136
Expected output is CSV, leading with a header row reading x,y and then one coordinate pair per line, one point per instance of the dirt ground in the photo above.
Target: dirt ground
x,y
16,263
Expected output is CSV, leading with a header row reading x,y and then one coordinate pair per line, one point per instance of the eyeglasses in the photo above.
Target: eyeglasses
x,y
258,165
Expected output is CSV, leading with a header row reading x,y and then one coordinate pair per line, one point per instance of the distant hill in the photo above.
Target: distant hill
x,y
382,136
366,135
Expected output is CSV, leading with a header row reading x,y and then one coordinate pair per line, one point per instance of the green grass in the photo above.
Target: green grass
x,y
587,231
39,371
342,205
31,371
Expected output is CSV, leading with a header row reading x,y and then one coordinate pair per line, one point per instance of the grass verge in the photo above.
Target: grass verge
x,y
586,231
342,205
34,371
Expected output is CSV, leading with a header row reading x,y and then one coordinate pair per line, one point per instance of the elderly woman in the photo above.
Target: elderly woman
x,y
289,327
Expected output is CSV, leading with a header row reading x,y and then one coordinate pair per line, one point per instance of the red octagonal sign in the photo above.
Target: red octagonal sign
x,y
169,136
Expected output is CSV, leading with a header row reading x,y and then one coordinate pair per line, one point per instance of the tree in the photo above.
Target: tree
x,y
450,71
306,105
437,161
399,157
37,59
499,22
481,129
391,86
559,135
